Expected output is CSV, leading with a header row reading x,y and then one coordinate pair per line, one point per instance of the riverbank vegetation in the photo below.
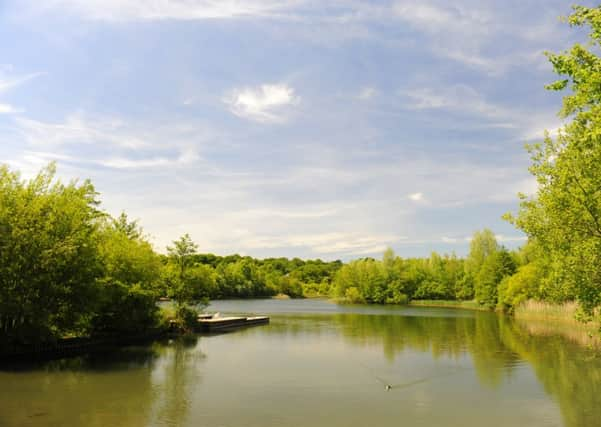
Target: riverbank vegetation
x,y
67,268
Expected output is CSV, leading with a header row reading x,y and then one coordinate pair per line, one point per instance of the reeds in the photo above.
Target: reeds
x,y
540,310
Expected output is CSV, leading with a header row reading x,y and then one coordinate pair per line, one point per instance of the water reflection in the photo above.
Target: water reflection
x,y
80,391
178,371
339,367
497,346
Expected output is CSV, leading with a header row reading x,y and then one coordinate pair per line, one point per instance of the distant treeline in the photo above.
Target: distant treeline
x,y
490,275
236,276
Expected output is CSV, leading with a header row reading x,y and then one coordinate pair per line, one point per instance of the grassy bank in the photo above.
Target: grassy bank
x,y
539,310
468,305
543,318
539,318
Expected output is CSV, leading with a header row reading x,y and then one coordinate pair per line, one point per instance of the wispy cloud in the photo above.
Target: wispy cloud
x,y
8,82
78,129
501,238
265,103
128,10
343,243
367,92
8,109
468,102
112,142
459,98
416,197
465,31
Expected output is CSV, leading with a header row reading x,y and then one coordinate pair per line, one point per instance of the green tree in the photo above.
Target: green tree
x,y
181,253
129,228
564,217
126,255
187,293
49,260
483,244
496,267
126,302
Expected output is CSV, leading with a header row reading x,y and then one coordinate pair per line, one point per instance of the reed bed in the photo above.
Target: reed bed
x,y
470,305
540,310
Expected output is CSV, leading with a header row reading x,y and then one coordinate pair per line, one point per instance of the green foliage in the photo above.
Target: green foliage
x,y
464,287
361,280
496,267
397,281
188,287
564,217
235,276
482,245
124,309
579,66
186,317
181,253
523,285
353,296
48,257
126,257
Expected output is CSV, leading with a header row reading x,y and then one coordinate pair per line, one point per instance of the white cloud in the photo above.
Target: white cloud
x,y
9,82
367,93
416,197
456,31
128,10
265,103
450,240
466,32
536,129
78,129
343,243
111,142
458,98
466,101
501,238
427,16
8,109
267,214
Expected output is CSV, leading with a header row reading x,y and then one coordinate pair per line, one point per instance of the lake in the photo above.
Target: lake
x,y
321,364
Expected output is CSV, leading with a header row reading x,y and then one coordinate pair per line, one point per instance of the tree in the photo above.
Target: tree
x,y
181,253
496,267
126,302
126,255
48,256
130,228
187,293
564,217
483,244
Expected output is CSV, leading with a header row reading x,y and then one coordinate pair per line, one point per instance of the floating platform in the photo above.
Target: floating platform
x,y
226,324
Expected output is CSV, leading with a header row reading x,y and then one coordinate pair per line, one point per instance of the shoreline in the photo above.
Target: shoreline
x,y
463,305
536,318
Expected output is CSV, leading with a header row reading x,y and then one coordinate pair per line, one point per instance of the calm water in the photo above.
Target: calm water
x,y
318,364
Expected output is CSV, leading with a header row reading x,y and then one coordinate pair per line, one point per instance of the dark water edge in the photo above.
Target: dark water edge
x,y
72,347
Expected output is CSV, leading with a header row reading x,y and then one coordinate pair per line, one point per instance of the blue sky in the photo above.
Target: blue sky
x,y
328,129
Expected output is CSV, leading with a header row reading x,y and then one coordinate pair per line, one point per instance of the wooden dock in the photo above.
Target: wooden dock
x,y
226,324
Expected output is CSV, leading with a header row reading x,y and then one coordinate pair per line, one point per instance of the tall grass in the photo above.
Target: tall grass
x,y
540,310
470,305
